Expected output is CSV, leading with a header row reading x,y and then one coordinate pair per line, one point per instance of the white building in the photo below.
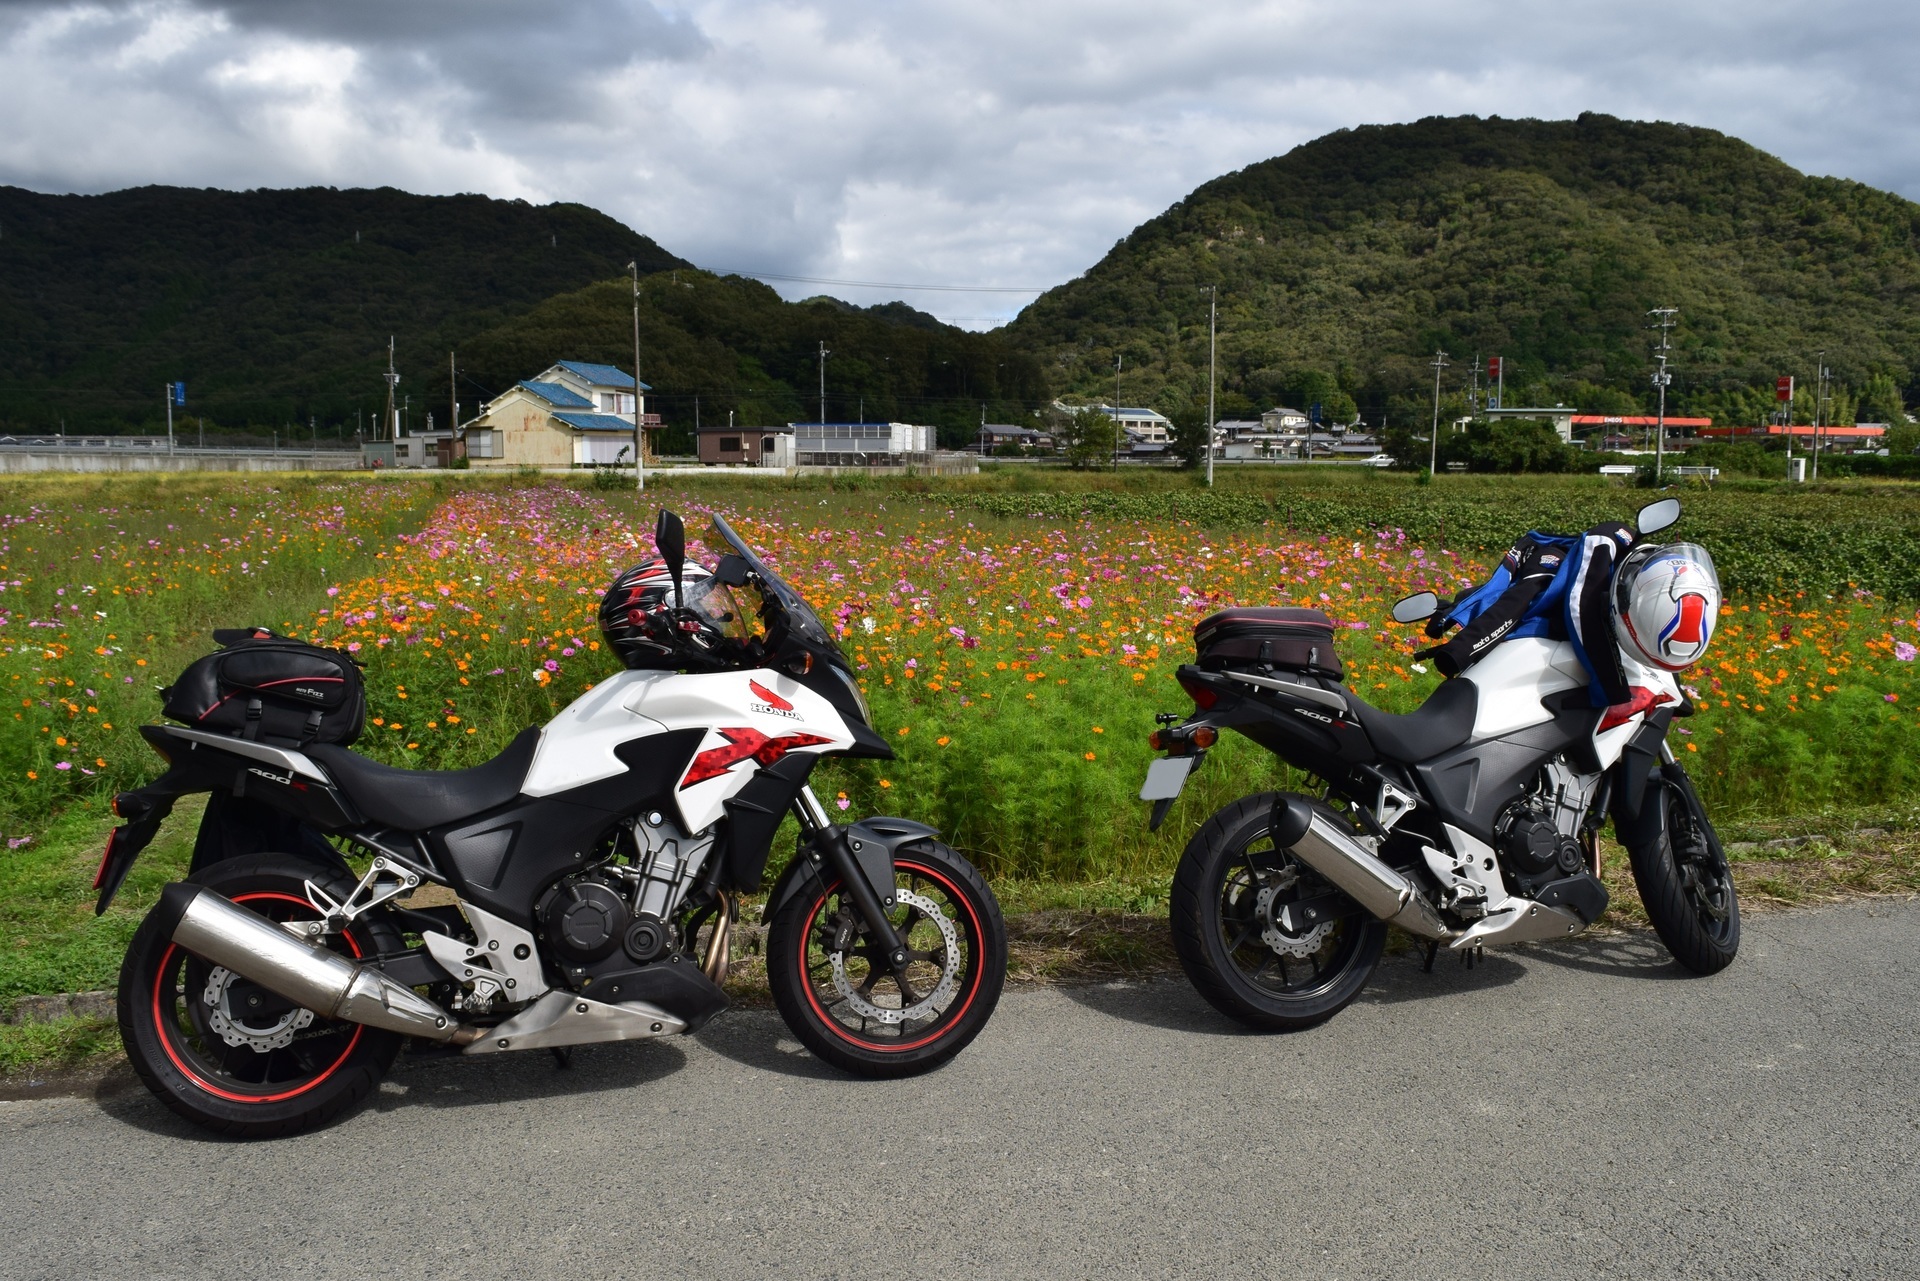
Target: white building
x,y
858,444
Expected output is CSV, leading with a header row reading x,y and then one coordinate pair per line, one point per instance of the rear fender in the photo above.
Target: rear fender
x,y
190,770
876,843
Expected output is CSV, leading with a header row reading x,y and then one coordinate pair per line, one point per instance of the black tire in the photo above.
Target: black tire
x,y
801,943
254,1089
1683,877
1218,931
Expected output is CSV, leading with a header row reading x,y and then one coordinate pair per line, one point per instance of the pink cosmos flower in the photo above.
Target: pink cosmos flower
x,y
1903,651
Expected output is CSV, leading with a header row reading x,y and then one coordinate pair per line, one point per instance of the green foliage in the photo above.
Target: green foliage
x,y
1545,241
1823,542
1514,445
272,306
1088,439
1880,402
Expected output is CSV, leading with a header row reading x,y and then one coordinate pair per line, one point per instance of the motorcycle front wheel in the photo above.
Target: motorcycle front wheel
x,y
1232,940
847,1003
229,1055
1684,880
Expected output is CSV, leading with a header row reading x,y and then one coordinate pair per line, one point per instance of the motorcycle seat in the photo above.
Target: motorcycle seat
x,y
416,799
1440,724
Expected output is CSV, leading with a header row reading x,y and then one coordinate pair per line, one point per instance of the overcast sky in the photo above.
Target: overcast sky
x,y
984,142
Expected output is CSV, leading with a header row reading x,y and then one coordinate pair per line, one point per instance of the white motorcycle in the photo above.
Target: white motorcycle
x,y
1473,820
597,862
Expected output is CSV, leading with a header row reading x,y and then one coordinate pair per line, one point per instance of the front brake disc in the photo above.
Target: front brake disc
x,y
949,972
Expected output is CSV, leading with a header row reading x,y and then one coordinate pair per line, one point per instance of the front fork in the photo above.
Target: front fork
x,y
830,844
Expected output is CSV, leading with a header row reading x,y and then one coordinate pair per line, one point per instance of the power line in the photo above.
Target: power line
x,y
883,284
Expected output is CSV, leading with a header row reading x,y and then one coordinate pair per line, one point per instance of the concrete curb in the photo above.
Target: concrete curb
x,y
49,1009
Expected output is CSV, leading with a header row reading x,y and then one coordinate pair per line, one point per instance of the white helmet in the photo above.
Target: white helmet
x,y
1665,601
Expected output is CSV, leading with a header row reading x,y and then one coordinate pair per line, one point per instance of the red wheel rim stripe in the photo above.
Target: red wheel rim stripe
x,y
166,1039
833,1024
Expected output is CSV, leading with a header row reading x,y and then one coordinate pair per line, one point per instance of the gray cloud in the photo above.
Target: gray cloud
x,y
990,141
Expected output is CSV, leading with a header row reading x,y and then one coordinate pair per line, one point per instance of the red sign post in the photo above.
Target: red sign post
x,y
1783,390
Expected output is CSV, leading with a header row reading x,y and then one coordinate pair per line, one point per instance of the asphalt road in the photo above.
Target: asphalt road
x,y
1582,1110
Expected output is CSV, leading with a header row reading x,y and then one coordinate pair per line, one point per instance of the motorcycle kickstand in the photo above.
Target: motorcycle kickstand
x,y
1433,950
562,1056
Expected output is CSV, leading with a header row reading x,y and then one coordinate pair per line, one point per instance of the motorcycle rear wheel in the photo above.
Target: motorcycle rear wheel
x,y
190,1038
1684,880
846,1004
1220,927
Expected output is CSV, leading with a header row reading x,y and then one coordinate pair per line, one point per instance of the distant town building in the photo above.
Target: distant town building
x,y
858,444
573,415
748,446
995,435
1852,439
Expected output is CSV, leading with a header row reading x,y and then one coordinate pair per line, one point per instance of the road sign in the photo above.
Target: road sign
x,y
1313,413
179,393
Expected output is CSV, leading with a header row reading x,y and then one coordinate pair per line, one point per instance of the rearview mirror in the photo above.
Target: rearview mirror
x,y
1412,609
1655,517
670,537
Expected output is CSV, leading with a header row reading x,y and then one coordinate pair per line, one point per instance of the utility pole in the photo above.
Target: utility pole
x,y
1473,392
1819,409
169,400
639,433
1433,440
1119,363
1213,311
824,353
983,429
1662,379
393,380
453,404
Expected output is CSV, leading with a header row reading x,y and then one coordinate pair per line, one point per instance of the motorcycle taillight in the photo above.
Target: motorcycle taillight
x,y
1204,696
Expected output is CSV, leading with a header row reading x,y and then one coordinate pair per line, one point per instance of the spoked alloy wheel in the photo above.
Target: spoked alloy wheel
x,y
1685,882
1261,935
226,1053
843,997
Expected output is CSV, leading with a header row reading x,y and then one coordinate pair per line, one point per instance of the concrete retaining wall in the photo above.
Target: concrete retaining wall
x,y
36,460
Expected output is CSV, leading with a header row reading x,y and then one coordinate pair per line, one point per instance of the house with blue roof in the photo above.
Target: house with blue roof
x,y
574,414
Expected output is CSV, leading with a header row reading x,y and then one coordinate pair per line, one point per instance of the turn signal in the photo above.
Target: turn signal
x,y
800,664
1204,737
1155,740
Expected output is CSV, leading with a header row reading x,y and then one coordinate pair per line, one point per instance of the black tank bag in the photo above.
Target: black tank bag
x,y
271,689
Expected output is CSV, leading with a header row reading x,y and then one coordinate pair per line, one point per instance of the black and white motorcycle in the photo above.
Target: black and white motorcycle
x,y
597,863
1473,820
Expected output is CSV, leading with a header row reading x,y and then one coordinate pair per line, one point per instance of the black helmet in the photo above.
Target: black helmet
x,y
636,615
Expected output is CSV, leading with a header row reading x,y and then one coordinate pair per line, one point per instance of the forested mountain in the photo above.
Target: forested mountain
x,y
273,306
1344,264
710,344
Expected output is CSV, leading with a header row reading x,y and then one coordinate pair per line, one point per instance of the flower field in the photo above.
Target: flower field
x,y
1015,663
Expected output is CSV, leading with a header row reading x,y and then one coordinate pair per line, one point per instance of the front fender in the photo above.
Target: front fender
x,y
875,843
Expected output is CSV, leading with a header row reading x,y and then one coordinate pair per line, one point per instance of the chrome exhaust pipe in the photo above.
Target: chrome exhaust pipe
x,y
1318,841
213,926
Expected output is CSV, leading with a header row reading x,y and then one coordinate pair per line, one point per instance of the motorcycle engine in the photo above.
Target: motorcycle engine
x,y
1535,850
585,919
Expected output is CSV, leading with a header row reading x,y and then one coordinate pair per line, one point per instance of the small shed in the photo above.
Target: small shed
x,y
748,446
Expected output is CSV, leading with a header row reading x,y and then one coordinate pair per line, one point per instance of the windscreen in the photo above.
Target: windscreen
x,y
799,616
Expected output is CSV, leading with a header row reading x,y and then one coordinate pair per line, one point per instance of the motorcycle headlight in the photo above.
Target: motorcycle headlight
x,y
853,687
